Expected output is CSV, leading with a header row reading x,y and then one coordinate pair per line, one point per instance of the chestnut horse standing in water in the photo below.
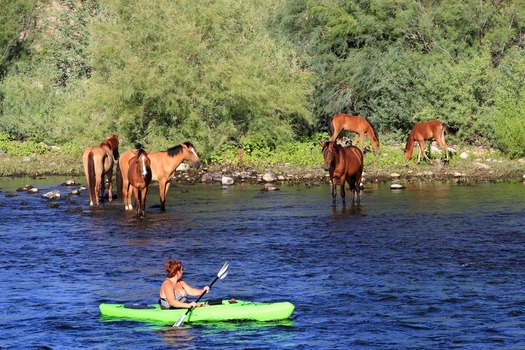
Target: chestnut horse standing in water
x,y
139,176
344,164
426,131
353,123
98,162
163,166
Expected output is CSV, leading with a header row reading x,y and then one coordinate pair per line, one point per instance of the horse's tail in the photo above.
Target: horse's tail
x,y
92,176
120,182
331,126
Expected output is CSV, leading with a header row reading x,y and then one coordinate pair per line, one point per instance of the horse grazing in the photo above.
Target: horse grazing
x,y
426,131
98,162
344,164
353,123
163,166
139,177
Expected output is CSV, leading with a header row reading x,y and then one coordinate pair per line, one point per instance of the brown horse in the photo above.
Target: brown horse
x,y
98,162
426,131
344,164
163,166
353,123
139,177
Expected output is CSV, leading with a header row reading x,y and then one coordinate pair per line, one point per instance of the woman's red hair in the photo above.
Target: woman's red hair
x,y
172,268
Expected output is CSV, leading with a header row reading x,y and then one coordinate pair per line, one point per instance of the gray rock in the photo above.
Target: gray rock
x,y
52,195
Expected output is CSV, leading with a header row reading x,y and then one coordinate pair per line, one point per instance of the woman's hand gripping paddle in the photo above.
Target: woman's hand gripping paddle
x,y
222,273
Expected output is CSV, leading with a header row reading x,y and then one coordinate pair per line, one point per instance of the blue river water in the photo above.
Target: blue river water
x,y
433,266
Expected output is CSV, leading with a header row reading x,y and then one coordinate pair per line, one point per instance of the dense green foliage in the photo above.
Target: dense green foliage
x,y
245,78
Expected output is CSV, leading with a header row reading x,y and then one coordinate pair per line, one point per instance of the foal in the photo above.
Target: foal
x,y
139,176
344,164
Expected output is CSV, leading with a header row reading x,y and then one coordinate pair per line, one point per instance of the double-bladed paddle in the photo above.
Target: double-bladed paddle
x,y
222,273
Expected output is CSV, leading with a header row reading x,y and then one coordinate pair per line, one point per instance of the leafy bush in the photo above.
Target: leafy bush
x,y
21,148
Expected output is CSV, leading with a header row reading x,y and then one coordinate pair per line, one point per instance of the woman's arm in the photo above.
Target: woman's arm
x,y
194,291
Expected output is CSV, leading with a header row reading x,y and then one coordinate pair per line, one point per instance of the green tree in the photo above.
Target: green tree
x,y
206,71
36,89
508,120
399,62
15,21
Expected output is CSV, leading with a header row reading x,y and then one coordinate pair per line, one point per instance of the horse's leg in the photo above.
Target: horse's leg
x,y
336,133
441,141
90,178
137,201
127,195
162,192
356,138
359,179
99,181
334,192
362,136
422,148
343,192
143,201
110,185
354,188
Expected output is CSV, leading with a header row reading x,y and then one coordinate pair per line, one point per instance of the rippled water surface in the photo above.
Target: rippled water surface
x,y
431,266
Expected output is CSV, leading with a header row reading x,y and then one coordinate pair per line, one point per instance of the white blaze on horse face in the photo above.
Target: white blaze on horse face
x,y
144,171
192,151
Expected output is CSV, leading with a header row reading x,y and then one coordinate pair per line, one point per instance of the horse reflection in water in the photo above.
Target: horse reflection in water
x,y
163,166
344,164
98,162
139,176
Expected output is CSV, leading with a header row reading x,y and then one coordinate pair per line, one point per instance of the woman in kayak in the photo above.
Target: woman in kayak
x,y
174,290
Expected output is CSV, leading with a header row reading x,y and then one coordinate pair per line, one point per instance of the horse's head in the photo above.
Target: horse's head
x,y
112,143
141,161
329,148
190,154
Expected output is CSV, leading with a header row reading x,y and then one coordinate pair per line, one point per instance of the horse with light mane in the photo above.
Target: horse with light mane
x,y
98,162
163,166
353,123
344,164
426,131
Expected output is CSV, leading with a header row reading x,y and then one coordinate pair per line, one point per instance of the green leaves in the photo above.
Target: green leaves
x,y
195,68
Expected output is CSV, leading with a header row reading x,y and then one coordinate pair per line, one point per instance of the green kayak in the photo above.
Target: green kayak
x,y
225,310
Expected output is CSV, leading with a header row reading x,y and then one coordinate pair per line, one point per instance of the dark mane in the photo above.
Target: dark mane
x,y
336,145
112,144
173,151
373,129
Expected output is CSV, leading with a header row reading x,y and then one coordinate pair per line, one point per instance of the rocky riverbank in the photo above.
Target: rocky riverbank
x,y
470,166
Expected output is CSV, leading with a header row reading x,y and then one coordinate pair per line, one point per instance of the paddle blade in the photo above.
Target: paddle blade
x,y
224,270
180,321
